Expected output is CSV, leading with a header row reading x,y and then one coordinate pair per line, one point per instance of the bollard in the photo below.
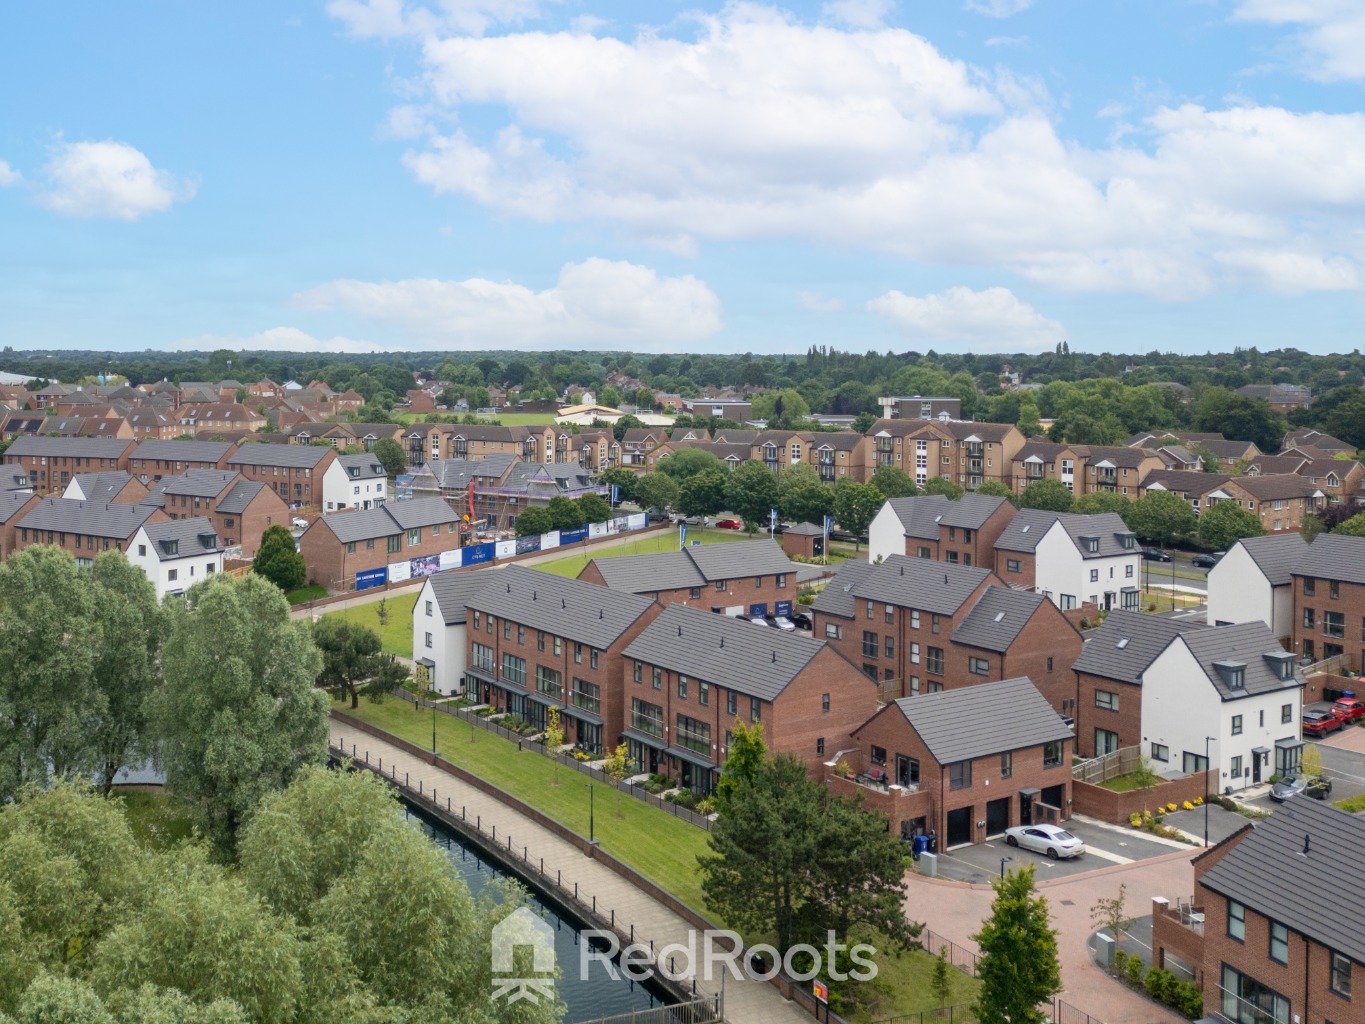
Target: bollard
x,y
632,934
381,761
478,823
594,904
542,865
575,892
523,855
407,780
447,805
559,878
419,786
495,833
613,917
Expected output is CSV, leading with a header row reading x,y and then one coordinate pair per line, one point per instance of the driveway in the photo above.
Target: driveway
x,y
1222,823
1106,846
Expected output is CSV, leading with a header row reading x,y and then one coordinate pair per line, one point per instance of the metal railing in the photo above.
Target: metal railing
x,y
958,1013
697,1011
1064,1013
959,956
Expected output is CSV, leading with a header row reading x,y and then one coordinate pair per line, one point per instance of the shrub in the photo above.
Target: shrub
x,y
1187,806
1135,820
1171,807
1197,801
581,755
1136,970
1160,984
1187,998
1120,962
706,806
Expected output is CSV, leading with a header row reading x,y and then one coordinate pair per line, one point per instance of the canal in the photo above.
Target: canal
x,y
597,995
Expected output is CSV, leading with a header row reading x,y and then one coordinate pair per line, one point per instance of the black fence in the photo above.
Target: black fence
x,y
959,956
960,1013
1065,1013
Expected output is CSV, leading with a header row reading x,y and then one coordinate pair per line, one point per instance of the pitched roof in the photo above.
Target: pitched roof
x,y
1183,482
198,483
1317,439
1126,644
1275,554
837,597
1008,715
940,588
1279,868
693,567
455,474
101,486
998,617
11,502
69,447
99,519
723,649
1278,486
922,515
1040,451
452,591
1120,456
387,520
182,538
1244,643
1262,465
579,611
1231,449
420,512
1026,529
1334,556
292,456
1107,526
182,451
361,467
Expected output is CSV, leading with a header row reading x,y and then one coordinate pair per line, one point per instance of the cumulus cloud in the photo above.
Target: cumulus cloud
x,y
279,339
993,319
858,13
817,303
8,175
109,179
997,8
389,19
760,126
596,303
1330,36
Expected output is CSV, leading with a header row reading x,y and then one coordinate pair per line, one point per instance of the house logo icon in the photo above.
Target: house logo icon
x,y
525,929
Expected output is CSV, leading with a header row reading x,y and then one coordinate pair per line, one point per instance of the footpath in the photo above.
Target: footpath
x,y
746,1001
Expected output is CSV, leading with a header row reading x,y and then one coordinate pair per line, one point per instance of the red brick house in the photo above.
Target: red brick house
x,y
51,462
152,460
1329,600
931,526
339,546
83,528
748,578
293,472
240,509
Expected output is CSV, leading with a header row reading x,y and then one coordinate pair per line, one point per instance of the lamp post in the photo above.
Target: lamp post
x,y
433,729
592,836
1002,866
1207,741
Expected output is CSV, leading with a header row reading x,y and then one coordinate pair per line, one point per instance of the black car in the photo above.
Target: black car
x,y
803,621
1204,561
1156,555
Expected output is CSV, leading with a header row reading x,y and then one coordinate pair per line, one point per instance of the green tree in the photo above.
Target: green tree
x,y
703,494
995,489
534,522
944,486
1160,516
751,491
594,508
132,627
616,764
53,999
1018,968
1236,416
1050,495
656,491
1310,762
688,462
565,513
236,712
802,496
622,479
1108,912
391,456
939,983
49,698
554,739
746,756
1102,501
349,655
1353,527
855,506
893,482
279,560
1226,523
784,410
862,423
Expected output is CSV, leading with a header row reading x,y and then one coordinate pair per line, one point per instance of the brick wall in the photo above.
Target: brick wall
x,y
332,565
1026,576
1350,601
800,720
1107,805
81,545
1089,716
263,511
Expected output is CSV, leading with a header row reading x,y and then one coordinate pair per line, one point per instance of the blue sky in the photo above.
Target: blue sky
x,y
983,175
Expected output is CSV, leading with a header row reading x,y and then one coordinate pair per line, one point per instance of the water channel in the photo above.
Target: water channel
x,y
597,995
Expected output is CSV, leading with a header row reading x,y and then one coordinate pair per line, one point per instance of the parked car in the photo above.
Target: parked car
x,y
1320,723
1293,785
1351,709
1206,561
758,620
782,622
658,515
690,520
1052,840
1156,555
300,524
729,524
802,620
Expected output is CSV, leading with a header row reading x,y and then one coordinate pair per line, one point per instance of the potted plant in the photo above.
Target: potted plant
x,y
1318,787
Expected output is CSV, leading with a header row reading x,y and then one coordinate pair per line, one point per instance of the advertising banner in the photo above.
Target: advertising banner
x,y
525,545
573,536
758,609
427,565
371,578
476,554
451,559
399,572
505,548
782,608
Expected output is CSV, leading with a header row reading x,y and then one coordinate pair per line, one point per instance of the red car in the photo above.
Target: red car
x,y
1351,709
1320,723
729,524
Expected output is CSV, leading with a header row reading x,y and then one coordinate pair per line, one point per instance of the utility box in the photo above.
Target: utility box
x,y
928,864
1104,949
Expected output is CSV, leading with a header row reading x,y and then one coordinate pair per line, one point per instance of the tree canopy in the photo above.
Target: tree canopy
x,y
1018,967
1048,494
391,456
1160,516
279,560
1226,523
893,482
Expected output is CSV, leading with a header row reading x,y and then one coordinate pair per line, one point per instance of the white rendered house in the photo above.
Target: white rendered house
x,y
354,481
1253,582
178,554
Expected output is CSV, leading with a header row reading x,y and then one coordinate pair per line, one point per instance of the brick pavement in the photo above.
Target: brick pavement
x,y
746,1001
955,910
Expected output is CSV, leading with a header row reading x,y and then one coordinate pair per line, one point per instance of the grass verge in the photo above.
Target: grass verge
x,y
1352,804
572,565
303,595
902,986
396,637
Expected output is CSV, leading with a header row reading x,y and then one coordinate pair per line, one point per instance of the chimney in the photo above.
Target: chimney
x,y
1304,851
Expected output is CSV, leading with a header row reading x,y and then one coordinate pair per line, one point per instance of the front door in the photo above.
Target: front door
x,y
959,826
1255,769
1026,808
997,816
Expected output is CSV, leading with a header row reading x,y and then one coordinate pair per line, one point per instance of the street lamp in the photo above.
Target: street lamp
x,y
1002,866
1207,741
591,816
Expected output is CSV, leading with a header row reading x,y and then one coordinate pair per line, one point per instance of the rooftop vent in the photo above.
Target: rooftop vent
x,y
999,616
1122,643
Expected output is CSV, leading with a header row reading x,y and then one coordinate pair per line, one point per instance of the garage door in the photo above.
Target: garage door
x,y
960,826
997,816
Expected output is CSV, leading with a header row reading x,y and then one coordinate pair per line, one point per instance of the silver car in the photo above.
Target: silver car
x,y
1049,839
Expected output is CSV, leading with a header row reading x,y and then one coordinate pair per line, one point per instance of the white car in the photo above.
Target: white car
x,y
300,524
758,620
783,623
1049,839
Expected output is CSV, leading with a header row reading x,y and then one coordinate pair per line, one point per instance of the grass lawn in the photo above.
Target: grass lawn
x,y
1352,804
1121,783
158,820
572,565
902,986
653,842
305,594
397,635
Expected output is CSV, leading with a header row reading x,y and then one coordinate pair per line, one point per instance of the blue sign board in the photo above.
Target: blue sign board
x,y
476,553
573,536
782,608
371,578
758,609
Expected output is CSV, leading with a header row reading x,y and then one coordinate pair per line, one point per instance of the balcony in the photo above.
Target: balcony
x,y
587,702
648,726
698,742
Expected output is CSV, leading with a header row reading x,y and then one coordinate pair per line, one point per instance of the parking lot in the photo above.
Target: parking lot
x,y
1105,845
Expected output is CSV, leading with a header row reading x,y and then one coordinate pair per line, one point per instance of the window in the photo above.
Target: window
x,y
1286,713
428,640
1309,618
142,553
682,687
1012,565
870,607
877,755
1194,763
890,614
521,634
703,693
1107,699
782,581
1236,725
350,548
172,575
869,644
1279,942
694,593
1310,587
592,657
477,616
658,678
1161,752
559,647
578,654
820,746
1068,602
960,775
1094,575
1246,1001
1333,589
833,631
587,696
1341,975
1006,764
914,619
1052,754
978,666
639,671
1237,921
933,660
428,609
824,702
755,709
720,585
507,629
1128,571
1236,767
933,623
514,669
646,718
758,582
731,704
890,647
549,680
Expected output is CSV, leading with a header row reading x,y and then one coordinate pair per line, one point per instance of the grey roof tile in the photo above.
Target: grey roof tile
x,y
724,650
198,483
579,611
292,456
361,467
182,538
1127,643
1334,556
1008,715
922,514
997,618
69,447
11,502
453,589
1276,555
940,588
91,518
182,451
1269,871
1244,643
837,596
1026,529
693,567
236,500
1107,526
102,486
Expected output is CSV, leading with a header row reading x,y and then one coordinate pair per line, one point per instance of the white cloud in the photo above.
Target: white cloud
x,y
109,179
1331,33
818,303
279,339
1007,41
594,304
857,13
8,175
993,319
759,126
389,19
997,8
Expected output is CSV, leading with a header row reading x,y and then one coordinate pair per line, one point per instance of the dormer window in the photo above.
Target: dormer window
x,y
1126,540
1281,664
1091,545
1233,673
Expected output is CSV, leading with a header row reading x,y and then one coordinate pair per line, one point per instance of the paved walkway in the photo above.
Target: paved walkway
x,y
955,911
746,1001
